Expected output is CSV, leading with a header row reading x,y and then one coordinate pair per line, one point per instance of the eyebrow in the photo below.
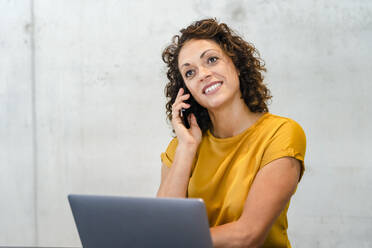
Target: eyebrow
x,y
201,56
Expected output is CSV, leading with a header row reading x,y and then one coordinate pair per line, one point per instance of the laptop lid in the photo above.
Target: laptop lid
x,y
112,221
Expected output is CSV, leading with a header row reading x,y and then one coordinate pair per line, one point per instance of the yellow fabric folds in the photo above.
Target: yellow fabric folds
x,y
225,168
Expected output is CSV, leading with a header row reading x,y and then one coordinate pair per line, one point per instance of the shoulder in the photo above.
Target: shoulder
x,y
284,137
279,125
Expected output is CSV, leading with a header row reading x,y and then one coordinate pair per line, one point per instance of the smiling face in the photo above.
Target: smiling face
x,y
209,74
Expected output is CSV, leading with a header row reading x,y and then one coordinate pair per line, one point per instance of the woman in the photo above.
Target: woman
x,y
244,162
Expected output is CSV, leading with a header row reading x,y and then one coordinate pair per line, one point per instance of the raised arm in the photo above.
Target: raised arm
x,y
175,180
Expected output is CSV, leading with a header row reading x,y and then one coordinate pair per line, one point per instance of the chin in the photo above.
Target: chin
x,y
214,104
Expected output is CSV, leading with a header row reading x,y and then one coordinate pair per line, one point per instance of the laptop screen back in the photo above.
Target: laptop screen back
x,y
109,221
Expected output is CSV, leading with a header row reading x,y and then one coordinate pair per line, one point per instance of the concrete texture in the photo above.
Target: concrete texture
x,y
82,107
17,189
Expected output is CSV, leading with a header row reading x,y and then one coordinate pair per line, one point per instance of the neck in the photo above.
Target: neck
x,y
232,120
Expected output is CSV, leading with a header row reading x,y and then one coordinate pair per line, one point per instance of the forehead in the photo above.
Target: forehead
x,y
192,50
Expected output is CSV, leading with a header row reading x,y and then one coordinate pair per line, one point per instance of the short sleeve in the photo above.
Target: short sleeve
x,y
289,140
168,155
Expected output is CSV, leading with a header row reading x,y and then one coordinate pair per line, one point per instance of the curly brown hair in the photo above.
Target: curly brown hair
x,y
244,55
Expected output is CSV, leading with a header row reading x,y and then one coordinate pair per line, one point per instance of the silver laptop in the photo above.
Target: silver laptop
x,y
111,221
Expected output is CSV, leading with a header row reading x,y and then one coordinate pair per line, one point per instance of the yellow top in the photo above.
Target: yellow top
x,y
225,168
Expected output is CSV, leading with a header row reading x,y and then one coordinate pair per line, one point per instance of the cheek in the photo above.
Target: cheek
x,y
225,70
188,86
192,86
194,90
233,75
231,70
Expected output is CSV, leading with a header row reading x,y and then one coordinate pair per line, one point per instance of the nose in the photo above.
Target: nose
x,y
204,73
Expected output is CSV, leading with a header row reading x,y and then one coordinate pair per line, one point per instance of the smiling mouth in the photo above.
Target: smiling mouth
x,y
212,88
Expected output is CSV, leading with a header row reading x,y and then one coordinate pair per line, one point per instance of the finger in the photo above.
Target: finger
x,y
190,119
193,122
181,98
183,105
177,103
184,97
180,92
176,108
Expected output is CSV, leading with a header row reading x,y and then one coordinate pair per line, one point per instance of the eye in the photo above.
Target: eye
x,y
212,59
189,73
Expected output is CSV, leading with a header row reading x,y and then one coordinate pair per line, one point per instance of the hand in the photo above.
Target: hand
x,y
191,136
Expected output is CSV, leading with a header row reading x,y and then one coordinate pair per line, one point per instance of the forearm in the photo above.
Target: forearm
x,y
233,235
176,182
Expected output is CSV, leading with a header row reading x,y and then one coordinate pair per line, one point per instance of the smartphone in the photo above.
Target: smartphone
x,y
186,112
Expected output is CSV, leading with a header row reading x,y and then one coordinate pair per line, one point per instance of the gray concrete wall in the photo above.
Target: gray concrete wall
x,y
17,161
82,107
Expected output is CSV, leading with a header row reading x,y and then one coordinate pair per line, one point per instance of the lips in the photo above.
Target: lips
x,y
210,84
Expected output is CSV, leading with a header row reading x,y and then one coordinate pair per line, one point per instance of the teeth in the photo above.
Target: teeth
x,y
213,87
